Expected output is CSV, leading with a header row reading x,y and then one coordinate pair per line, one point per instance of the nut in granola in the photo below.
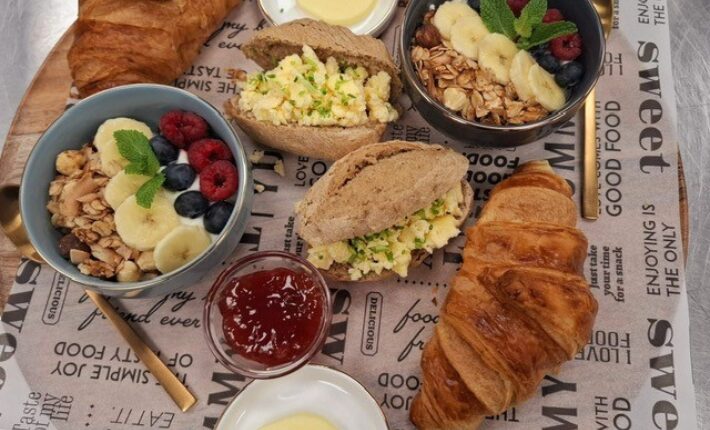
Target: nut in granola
x,y
70,162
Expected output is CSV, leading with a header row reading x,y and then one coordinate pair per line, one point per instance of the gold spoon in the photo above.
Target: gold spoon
x,y
11,224
590,189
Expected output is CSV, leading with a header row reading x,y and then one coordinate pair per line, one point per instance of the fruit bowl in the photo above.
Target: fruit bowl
x,y
78,126
582,13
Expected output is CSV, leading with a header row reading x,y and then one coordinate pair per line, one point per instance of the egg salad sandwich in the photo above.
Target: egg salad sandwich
x,y
324,91
384,208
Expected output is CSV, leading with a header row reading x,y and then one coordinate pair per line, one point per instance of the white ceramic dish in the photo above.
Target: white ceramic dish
x,y
313,389
278,12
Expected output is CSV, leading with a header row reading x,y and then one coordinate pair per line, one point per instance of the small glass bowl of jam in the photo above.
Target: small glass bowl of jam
x,y
267,314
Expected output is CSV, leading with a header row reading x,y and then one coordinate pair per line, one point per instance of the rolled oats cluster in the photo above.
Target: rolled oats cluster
x,y
79,210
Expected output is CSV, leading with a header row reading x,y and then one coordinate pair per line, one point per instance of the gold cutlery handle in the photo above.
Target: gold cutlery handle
x,y
177,391
590,191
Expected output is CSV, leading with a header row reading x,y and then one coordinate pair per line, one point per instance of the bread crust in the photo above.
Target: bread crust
x,y
360,194
267,47
327,143
339,272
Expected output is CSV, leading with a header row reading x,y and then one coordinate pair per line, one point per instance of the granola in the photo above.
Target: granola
x,y
79,210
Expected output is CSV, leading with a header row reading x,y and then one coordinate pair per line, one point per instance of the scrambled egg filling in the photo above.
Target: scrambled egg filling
x,y
303,90
391,249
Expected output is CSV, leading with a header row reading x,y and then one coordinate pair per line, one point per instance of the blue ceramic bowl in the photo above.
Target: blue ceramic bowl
x,y
581,12
77,126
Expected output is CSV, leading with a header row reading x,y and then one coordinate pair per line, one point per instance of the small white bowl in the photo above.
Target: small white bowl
x,y
278,12
313,389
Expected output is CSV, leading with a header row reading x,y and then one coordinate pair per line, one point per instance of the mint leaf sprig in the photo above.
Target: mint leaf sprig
x,y
531,16
546,32
135,147
527,30
146,193
499,17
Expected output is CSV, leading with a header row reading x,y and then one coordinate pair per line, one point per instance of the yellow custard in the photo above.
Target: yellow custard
x,y
338,12
302,421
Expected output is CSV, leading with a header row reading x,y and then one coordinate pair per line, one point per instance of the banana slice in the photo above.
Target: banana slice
x,y
546,91
495,54
448,13
142,228
104,135
519,72
179,247
111,160
467,31
122,186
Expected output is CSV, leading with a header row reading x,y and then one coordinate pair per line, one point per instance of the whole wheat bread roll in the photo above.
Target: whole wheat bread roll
x,y
373,188
267,47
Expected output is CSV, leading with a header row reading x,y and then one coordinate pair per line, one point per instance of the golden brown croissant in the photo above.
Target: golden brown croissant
x,y
517,310
120,42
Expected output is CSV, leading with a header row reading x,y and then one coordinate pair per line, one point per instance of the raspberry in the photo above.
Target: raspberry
x,y
182,128
553,15
219,180
567,48
517,6
204,152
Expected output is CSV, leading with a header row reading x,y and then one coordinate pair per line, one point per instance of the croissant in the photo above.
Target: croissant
x,y
120,42
517,310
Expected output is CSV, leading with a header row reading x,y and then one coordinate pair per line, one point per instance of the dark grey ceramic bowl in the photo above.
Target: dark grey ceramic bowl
x,y
77,126
581,12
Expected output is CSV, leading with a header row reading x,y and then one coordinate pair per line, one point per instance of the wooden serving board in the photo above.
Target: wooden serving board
x,y
44,102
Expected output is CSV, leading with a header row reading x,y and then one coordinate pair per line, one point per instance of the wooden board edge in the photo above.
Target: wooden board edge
x,y
43,102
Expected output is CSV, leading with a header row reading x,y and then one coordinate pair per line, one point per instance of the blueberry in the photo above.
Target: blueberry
x,y
191,204
164,150
476,4
570,74
548,62
538,51
217,216
178,177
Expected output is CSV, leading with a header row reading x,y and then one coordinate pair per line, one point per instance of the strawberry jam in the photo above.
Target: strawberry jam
x,y
272,316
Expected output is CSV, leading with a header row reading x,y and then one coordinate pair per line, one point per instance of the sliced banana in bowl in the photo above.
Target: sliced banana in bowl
x,y
467,33
545,89
104,135
121,187
448,13
142,228
495,55
519,72
179,247
112,162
